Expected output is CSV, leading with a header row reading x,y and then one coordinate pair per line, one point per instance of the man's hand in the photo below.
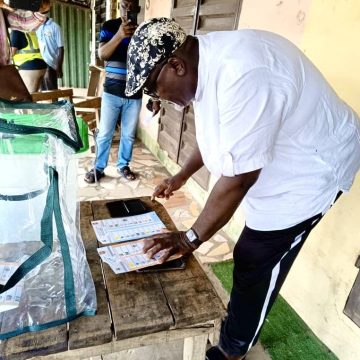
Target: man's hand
x,y
126,29
59,73
169,243
167,187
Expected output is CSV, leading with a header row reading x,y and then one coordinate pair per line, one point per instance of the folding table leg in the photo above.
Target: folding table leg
x,y
195,347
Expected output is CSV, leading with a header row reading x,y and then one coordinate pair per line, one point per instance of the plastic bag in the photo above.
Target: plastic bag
x,y
45,279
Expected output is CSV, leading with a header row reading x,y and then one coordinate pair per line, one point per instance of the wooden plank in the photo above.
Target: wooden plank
x,y
91,331
52,95
87,102
117,346
187,144
137,302
195,347
191,296
38,343
170,123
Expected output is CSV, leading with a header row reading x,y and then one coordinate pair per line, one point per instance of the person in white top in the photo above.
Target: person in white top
x,y
277,136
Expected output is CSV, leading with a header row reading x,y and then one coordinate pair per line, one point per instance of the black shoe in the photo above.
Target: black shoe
x,y
90,176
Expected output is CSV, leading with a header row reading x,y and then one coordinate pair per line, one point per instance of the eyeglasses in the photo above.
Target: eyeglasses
x,y
150,85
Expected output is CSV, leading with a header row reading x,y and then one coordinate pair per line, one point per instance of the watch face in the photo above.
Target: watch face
x,y
191,235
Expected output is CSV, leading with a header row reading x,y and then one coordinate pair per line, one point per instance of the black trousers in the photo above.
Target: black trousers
x,y
262,261
50,80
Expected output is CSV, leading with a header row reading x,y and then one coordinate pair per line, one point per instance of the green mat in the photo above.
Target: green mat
x,y
285,335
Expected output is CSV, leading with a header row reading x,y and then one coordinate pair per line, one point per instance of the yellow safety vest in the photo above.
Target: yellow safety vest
x,y
30,52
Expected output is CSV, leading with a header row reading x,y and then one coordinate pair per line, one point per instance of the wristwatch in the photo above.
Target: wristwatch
x,y
193,237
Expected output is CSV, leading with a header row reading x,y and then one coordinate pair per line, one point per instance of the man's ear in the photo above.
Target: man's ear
x,y
178,65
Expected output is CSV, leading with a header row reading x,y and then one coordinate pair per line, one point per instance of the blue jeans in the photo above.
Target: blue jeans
x,y
112,107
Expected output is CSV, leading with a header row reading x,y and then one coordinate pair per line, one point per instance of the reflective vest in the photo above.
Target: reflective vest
x,y
30,52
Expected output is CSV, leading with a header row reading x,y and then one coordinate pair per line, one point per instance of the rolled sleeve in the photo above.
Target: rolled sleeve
x,y
232,168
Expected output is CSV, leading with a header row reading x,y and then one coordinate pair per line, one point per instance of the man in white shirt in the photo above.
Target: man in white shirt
x,y
276,135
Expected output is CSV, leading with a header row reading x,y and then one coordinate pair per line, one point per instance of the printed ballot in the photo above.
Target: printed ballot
x,y
130,232
9,299
129,256
126,228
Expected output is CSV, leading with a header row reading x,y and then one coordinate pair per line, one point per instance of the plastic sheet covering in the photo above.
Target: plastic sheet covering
x,y
44,275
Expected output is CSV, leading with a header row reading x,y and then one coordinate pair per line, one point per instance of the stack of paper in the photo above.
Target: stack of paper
x,y
128,255
116,230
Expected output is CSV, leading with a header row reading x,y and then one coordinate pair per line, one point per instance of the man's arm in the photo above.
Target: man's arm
x,y
223,201
106,49
59,62
166,188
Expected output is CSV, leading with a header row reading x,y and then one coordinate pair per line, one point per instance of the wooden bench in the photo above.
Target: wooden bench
x,y
87,107
134,309
53,95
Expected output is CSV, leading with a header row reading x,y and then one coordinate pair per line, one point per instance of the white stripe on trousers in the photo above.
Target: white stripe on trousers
x,y
274,277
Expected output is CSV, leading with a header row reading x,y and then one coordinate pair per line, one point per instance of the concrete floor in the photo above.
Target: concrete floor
x,y
182,208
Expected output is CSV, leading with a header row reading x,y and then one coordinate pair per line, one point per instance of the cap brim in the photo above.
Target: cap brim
x,y
133,87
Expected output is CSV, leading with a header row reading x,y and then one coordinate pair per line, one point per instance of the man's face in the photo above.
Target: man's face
x,y
165,83
127,5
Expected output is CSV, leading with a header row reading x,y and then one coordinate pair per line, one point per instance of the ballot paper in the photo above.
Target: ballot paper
x,y
9,299
127,228
129,256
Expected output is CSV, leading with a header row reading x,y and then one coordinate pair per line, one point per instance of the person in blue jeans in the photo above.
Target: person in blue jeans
x,y
114,41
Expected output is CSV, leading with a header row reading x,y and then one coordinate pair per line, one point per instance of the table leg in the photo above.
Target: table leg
x,y
195,347
215,335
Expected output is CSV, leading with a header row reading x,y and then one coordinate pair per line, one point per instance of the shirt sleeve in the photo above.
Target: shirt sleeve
x,y
252,107
59,37
106,33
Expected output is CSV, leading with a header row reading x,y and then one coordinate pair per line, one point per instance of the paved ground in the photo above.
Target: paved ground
x,y
182,208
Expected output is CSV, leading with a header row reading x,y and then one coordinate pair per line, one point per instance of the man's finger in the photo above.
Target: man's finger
x,y
165,255
154,250
148,244
159,190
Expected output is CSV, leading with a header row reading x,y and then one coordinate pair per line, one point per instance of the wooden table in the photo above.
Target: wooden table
x,y
134,309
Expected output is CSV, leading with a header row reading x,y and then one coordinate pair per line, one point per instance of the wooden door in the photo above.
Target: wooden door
x,y
170,121
170,125
185,13
177,130
217,15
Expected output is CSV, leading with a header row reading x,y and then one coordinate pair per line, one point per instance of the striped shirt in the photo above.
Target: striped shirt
x,y
115,66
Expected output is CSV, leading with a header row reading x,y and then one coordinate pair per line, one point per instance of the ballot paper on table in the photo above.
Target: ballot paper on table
x,y
126,228
9,299
129,256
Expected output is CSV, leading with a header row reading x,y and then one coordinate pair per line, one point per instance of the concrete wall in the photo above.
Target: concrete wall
x,y
323,274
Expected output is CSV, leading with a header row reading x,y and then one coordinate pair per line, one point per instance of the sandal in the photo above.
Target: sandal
x,y
90,176
127,173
